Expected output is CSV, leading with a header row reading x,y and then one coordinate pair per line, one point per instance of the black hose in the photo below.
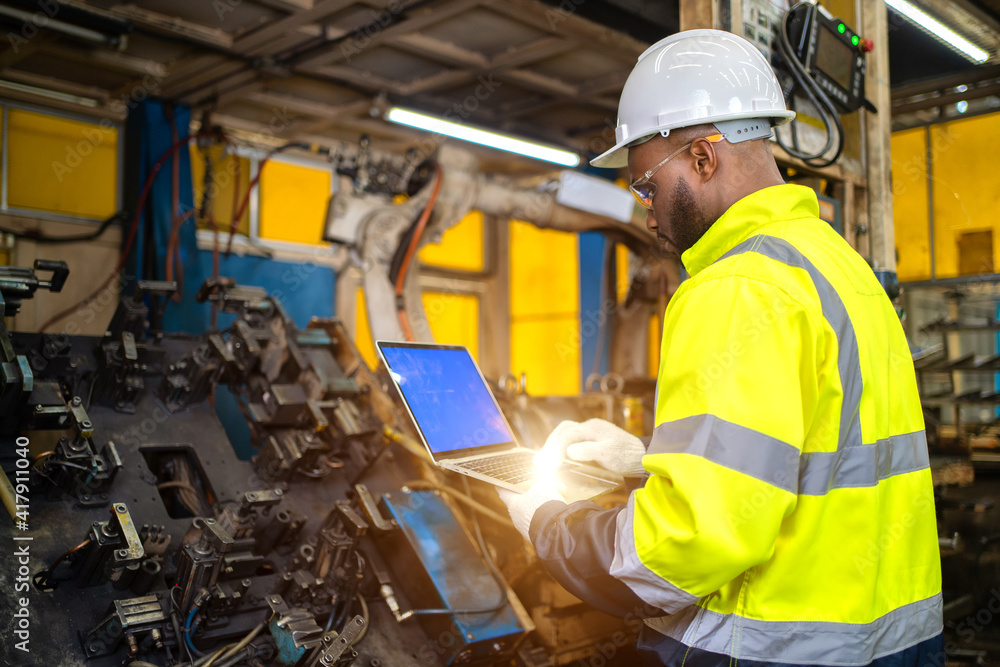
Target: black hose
x,y
816,96
38,237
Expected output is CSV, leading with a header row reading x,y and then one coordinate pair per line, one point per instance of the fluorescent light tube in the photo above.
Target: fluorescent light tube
x,y
483,137
939,30
50,94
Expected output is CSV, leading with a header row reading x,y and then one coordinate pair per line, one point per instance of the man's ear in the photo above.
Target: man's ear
x,y
706,159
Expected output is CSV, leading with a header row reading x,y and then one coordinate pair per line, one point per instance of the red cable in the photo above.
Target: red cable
x,y
418,231
132,232
175,205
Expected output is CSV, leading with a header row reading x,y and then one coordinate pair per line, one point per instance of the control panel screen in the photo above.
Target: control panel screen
x,y
834,58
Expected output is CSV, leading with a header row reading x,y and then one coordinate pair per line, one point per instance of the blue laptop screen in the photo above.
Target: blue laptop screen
x,y
449,400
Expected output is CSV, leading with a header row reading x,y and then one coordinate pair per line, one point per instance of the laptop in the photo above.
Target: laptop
x,y
463,429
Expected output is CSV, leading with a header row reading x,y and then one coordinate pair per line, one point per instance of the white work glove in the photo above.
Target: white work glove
x,y
596,440
522,506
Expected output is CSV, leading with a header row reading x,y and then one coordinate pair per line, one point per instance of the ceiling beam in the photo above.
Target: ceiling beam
x,y
172,26
256,41
112,60
12,56
286,5
558,21
443,52
540,49
311,107
967,78
57,85
944,100
420,19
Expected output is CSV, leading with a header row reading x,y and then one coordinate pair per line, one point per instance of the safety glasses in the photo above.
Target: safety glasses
x,y
643,190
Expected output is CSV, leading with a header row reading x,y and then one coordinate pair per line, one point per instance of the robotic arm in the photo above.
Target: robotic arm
x,y
370,228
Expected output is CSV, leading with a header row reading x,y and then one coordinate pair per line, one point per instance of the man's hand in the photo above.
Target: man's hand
x,y
522,506
599,441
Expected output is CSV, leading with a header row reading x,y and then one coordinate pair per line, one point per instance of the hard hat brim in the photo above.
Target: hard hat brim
x,y
617,155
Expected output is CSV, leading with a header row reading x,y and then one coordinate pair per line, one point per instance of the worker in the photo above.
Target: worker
x,y
788,513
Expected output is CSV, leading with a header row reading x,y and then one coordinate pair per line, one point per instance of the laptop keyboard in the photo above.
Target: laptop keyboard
x,y
513,468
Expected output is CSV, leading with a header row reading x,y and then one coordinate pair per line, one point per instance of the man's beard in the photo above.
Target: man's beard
x,y
688,222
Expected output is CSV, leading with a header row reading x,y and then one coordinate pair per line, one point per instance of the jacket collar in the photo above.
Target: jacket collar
x,y
746,217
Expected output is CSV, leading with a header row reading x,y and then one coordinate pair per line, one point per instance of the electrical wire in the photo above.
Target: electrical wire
x,y
42,579
175,205
460,497
227,652
418,231
127,248
38,237
366,615
238,212
817,97
188,630
67,464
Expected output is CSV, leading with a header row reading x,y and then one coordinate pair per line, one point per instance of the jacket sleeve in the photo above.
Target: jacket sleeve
x,y
576,544
739,376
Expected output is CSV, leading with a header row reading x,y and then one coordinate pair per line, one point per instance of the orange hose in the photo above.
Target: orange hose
x,y
172,247
425,216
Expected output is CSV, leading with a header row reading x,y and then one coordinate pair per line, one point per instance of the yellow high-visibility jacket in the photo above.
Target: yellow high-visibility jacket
x,y
789,514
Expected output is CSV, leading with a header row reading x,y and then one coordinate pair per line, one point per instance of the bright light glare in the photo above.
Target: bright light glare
x,y
483,137
939,30
546,462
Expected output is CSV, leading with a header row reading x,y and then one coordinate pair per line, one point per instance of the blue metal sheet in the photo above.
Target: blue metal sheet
x,y
455,568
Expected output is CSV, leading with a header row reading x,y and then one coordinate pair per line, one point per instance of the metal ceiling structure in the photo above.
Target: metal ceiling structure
x,y
322,71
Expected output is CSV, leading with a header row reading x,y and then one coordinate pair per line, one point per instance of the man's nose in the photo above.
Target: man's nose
x,y
650,221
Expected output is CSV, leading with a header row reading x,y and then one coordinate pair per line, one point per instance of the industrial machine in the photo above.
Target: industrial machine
x,y
142,538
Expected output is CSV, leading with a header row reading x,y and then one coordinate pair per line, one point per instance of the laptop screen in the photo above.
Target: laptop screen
x,y
447,396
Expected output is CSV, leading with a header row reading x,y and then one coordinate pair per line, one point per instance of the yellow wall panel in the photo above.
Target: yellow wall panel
x,y
966,199
545,308
461,247
293,202
454,319
909,204
230,178
621,275
544,271
548,351
363,333
62,166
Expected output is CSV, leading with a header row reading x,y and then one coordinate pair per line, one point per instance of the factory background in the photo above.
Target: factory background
x,y
184,143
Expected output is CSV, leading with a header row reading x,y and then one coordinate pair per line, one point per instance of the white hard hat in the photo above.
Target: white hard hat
x,y
694,77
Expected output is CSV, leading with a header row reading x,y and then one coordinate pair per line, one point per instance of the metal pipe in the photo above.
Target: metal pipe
x,y
56,25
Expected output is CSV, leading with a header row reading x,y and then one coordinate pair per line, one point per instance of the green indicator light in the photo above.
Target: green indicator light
x,y
855,40
841,28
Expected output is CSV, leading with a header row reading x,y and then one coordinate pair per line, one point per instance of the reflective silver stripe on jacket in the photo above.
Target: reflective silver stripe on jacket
x,y
626,566
779,464
848,359
804,642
